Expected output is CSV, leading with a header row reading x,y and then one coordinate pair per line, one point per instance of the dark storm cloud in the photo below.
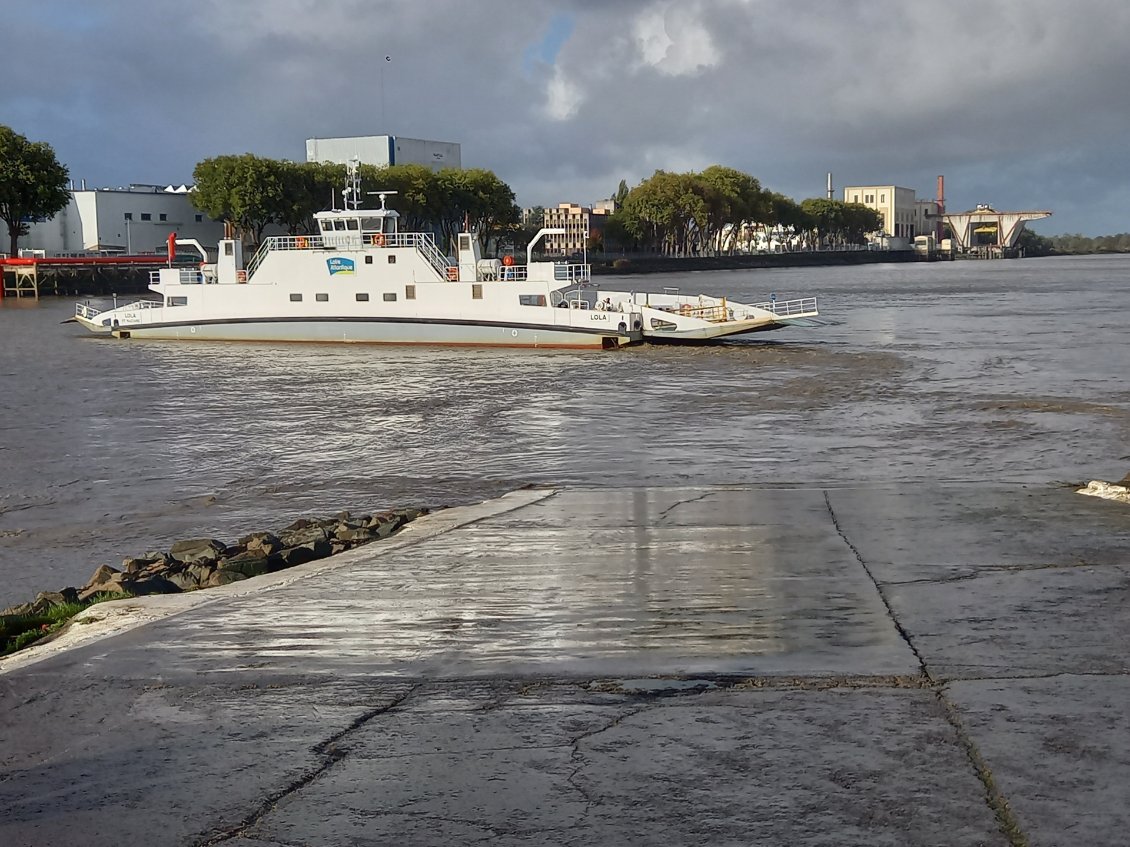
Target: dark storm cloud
x,y
1022,104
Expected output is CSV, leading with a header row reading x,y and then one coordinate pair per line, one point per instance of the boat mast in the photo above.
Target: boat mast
x,y
352,190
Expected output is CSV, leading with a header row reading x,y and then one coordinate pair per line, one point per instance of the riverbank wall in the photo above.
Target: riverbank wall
x,y
819,258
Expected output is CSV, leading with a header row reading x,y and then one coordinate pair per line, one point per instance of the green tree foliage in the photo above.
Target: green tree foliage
x,y
1074,244
253,192
837,223
247,190
690,213
33,184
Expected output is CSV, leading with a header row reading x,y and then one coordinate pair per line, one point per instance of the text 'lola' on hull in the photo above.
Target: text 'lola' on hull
x,y
360,279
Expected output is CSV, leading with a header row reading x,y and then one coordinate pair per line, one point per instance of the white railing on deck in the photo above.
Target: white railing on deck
x,y
424,242
185,276
789,308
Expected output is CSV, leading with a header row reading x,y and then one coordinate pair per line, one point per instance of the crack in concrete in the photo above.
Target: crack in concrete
x,y
878,588
994,570
994,798
578,758
663,515
330,754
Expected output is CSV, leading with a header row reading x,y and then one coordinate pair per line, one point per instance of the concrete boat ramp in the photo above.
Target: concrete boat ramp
x,y
903,665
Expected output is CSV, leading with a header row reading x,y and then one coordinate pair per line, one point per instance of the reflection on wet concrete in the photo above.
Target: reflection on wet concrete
x,y
583,583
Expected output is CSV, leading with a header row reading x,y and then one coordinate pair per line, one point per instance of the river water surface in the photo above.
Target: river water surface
x,y
963,371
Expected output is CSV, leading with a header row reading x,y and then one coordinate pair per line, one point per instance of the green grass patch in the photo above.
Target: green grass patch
x,y
20,631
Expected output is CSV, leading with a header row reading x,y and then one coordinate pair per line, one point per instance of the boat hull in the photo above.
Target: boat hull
x,y
346,330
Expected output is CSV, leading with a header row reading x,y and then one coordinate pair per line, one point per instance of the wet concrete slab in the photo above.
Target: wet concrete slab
x,y
675,666
1059,749
712,769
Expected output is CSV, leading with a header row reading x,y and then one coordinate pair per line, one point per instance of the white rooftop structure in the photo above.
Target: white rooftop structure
x,y
384,150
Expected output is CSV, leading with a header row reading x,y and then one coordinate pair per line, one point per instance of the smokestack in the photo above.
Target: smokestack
x,y
940,229
84,184
831,193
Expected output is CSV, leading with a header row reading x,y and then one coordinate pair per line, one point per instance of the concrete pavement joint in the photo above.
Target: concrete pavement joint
x,y
997,802
878,587
331,756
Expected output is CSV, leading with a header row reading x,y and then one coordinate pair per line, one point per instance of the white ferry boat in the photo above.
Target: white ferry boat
x,y
360,279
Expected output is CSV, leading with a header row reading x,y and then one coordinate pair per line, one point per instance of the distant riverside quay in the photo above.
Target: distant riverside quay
x,y
104,282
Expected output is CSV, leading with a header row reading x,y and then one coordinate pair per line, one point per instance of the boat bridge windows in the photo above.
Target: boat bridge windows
x,y
531,299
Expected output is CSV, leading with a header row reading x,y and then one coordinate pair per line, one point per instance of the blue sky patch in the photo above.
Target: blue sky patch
x,y
560,27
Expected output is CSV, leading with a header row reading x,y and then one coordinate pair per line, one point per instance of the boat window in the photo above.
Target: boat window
x,y
229,249
339,225
371,224
531,299
392,258
476,291
145,216
368,260
464,242
362,296
322,298
390,296
351,223
295,298
325,226
409,292
176,301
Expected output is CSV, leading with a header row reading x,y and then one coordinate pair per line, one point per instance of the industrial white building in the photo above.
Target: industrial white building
x,y
133,220
904,214
384,150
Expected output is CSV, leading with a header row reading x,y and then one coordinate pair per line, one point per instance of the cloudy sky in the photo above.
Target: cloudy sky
x,y
1023,104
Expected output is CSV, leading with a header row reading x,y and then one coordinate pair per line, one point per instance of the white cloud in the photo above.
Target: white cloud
x,y
563,97
671,38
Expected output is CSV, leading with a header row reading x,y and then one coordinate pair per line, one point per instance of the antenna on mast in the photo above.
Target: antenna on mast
x,y
352,190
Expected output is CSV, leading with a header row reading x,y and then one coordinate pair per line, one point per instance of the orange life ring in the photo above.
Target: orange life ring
x,y
377,239
508,260
452,273
300,242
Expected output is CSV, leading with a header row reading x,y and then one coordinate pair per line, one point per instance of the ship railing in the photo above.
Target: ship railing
x,y
572,273
185,276
789,308
84,310
421,241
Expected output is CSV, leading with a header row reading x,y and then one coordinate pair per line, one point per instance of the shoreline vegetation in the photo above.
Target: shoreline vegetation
x,y
196,564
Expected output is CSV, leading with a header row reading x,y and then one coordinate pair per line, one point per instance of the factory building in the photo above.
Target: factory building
x,y
384,150
133,220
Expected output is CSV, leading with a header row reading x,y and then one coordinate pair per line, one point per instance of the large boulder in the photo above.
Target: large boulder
x,y
303,535
267,542
224,578
197,550
45,600
106,580
150,585
249,563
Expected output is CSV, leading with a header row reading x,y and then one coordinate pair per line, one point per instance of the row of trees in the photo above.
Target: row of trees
x,y
253,192
671,213
708,213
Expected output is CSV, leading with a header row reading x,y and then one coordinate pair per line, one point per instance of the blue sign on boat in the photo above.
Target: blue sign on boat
x,y
339,265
